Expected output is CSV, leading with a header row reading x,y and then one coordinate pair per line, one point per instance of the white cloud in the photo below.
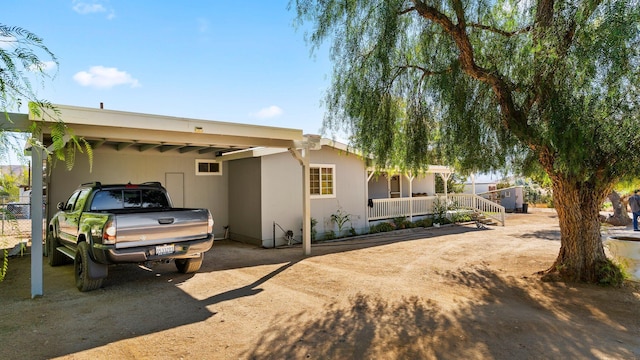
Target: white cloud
x,y
88,8
92,7
8,42
104,78
43,66
268,112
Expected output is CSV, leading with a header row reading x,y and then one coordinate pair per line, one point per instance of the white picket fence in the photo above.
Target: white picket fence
x,y
424,205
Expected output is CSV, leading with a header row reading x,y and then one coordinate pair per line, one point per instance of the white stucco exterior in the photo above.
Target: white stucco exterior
x,y
278,177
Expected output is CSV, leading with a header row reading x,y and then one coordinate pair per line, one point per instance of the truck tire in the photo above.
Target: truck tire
x,y
55,257
81,264
187,266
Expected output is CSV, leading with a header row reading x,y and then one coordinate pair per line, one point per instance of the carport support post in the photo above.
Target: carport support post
x,y
303,159
306,205
36,222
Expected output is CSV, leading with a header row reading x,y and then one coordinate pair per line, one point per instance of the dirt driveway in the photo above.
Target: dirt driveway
x,y
449,293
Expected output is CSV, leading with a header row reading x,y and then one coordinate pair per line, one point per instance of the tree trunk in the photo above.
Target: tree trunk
x,y
620,215
581,252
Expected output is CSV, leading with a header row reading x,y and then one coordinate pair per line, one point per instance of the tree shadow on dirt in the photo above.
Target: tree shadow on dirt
x,y
553,235
368,326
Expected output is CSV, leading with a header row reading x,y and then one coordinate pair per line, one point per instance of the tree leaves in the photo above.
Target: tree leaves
x,y
485,85
22,57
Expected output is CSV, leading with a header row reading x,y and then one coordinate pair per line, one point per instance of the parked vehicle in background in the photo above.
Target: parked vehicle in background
x,y
101,225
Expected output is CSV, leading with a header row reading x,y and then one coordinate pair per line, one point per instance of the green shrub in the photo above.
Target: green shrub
x,y
610,274
381,227
314,231
340,218
457,217
402,223
330,235
426,222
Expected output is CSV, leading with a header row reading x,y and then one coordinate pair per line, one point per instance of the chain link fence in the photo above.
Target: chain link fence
x,y
15,221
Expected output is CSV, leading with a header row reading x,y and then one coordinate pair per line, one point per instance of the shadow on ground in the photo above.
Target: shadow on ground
x,y
416,328
131,293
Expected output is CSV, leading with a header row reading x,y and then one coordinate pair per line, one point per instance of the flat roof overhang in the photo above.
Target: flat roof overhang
x,y
120,130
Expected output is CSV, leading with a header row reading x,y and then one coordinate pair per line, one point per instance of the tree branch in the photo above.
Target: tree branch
x,y
513,119
425,71
500,31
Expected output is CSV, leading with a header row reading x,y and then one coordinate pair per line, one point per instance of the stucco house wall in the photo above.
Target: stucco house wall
x,y
350,191
245,200
424,184
378,187
281,197
511,198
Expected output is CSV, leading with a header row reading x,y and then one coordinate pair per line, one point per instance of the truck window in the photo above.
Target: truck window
x,y
107,200
72,200
132,198
154,199
82,198
129,198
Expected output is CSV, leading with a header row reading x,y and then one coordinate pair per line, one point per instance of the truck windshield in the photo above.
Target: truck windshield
x,y
129,198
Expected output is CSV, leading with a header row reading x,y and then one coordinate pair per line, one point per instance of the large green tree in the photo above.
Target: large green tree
x,y
489,84
25,59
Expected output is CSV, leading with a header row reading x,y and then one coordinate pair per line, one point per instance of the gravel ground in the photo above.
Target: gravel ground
x,y
448,293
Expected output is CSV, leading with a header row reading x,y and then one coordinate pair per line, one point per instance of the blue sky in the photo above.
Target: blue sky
x,y
219,60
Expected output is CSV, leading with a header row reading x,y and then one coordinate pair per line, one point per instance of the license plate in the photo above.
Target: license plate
x,y
164,249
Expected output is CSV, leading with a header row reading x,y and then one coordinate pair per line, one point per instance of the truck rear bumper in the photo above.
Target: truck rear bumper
x,y
181,250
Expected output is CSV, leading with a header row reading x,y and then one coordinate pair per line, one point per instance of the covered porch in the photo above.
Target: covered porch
x,y
406,195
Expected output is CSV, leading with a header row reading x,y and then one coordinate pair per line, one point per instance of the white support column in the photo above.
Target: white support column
x,y
306,203
445,178
303,159
37,157
367,177
370,174
410,178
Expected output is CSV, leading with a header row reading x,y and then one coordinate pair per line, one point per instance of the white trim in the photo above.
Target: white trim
x,y
124,119
333,181
208,161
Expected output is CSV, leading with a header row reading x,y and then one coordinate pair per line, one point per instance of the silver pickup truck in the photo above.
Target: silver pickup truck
x,y
134,223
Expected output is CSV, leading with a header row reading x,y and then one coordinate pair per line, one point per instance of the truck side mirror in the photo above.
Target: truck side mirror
x,y
60,206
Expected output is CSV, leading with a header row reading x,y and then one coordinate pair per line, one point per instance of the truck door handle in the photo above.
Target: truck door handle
x,y
166,221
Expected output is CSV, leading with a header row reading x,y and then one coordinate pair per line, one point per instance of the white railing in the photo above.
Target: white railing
x,y
417,206
397,207
480,204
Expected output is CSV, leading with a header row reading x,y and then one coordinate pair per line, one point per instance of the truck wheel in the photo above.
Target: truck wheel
x,y
83,281
187,266
55,257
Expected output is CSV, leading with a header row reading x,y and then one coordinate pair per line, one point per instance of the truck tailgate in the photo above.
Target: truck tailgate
x,y
160,227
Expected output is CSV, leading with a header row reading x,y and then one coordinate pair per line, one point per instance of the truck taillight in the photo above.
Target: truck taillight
x,y
210,224
109,232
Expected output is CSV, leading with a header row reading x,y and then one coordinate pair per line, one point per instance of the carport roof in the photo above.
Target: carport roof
x,y
120,130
